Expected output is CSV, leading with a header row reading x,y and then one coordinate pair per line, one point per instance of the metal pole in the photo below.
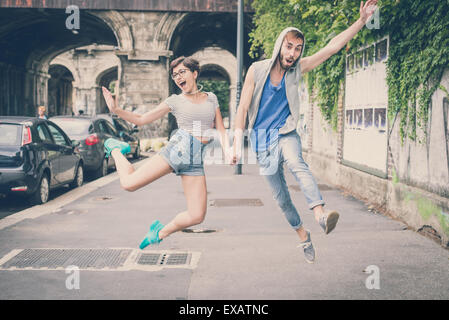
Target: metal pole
x,y
238,167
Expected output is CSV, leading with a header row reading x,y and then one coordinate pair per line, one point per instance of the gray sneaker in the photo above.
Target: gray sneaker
x,y
328,221
309,251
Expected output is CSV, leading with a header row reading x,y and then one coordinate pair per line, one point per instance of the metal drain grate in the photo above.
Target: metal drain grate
x,y
97,259
235,203
149,259
164,259
62,258
177,259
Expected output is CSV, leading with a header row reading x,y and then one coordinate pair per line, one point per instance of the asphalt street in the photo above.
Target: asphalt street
x,y
245,249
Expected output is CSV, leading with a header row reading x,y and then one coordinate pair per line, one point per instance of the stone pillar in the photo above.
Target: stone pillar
x,y
36,91
143,85
144,81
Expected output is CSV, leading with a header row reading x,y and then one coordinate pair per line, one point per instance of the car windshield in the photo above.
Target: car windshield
x,y
73,127
10,134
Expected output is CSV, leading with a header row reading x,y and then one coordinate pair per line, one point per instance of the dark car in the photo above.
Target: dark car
x,y
35,157
91,132
126,131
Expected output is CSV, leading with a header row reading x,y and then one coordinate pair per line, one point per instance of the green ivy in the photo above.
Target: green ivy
x,y
221,90
418,56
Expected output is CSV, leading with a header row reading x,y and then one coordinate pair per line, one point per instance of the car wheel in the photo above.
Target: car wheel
x,y
103,170
42,193
136,154
79,178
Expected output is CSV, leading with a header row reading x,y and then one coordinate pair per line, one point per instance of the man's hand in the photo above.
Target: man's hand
x,y
110,102
228,155
311,62
236,154
367,9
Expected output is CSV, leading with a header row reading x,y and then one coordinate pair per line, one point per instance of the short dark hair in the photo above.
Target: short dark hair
x,y
297,34
190,63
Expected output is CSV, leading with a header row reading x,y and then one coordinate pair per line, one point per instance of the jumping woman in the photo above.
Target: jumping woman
x,y
196,112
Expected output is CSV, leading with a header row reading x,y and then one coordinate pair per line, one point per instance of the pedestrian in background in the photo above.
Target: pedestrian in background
x,y
41,112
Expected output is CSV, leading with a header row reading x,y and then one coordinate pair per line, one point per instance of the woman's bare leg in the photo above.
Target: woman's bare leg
x,y
195,191
131,179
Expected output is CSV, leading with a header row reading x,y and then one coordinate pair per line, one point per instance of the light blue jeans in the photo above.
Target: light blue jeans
x,y
288,150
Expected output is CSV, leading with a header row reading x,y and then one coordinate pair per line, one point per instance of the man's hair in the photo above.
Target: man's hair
x,y
297,34
41,108
190,63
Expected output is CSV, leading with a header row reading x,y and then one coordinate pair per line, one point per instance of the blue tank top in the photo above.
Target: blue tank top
x,y
271,116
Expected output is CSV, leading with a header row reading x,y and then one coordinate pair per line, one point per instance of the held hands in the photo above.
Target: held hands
x,y
236,152
110,102
367,9
227,155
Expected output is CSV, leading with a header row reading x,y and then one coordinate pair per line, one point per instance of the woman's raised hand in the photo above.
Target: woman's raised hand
x,y
110,102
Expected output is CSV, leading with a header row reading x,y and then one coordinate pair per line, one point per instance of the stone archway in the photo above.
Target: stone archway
x,y
220,64
60,91
105,79
210,38
30,40
92,67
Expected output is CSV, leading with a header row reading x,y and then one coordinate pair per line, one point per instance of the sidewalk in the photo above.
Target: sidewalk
x,y
252,254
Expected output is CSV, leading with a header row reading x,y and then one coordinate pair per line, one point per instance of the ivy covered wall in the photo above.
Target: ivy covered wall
x,y
419,48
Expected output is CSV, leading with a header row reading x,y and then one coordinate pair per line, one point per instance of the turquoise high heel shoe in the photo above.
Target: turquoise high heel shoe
x,y
111,143
152,236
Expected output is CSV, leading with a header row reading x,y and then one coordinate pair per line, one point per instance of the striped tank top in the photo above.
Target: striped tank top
x,y
195,118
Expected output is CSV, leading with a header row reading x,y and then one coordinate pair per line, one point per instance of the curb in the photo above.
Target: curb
x,y
70,196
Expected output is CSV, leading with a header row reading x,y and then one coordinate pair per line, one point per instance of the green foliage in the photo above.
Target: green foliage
x,y
221,90
419,54
419,48
446,92
112,86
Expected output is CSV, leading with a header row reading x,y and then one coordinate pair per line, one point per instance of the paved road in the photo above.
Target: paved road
x,y
251,255
13,204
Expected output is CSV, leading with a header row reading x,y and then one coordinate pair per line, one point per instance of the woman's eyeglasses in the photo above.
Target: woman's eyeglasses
x,y
181,72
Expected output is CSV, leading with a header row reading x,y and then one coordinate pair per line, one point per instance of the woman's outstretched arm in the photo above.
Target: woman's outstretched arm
x,y
138,119
223,134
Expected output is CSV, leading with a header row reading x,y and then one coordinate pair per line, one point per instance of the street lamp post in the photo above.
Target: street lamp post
x,y
238,166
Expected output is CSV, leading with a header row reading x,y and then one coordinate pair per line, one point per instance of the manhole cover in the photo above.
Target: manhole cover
x,y
199,230
235,203
103,198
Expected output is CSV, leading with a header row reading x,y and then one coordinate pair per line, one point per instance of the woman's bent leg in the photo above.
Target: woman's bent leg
x,y
195,191
131,179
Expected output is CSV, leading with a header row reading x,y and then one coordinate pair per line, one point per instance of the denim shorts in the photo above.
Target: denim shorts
x,y
185,154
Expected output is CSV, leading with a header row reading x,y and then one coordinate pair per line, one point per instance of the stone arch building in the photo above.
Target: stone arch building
x,y
133,45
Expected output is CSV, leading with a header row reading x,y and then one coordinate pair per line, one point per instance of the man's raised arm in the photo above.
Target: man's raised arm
x,y
242,111
339,41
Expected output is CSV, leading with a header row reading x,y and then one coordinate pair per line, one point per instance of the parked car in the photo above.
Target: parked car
x,y
91,132
126,131
35,157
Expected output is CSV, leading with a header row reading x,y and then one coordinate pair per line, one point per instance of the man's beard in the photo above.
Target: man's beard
x,y
281,62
